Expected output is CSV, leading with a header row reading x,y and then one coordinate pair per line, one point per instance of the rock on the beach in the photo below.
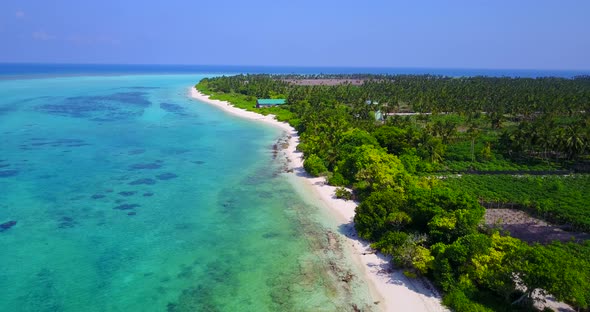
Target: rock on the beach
x,y
7,225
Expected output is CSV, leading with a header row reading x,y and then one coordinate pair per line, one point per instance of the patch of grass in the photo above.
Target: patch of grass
x,y
248,103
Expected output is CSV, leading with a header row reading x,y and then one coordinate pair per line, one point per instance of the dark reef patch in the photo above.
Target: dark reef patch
x,y
270,235
198,162
5,109
4,165
148,194
44,293
173,108
67,222
136,152
265,194
146,181
131,213
116,106
127,193
41,142
8,173
166,176
7,225
176,151
97,196
142,88
148,166
185,273
126,207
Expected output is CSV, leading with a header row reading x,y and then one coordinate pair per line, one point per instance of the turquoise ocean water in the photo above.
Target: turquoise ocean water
x,y
126,195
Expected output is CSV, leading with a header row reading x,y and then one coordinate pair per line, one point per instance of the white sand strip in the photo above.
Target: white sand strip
x,y
393,290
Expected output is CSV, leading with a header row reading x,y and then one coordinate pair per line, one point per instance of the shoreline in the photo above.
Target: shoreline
x,y
391,288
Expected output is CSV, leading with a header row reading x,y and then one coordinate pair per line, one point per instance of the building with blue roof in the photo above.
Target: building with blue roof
x,y
270,102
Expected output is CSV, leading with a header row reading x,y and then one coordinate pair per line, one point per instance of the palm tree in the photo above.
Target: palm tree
x,y
575,143
473,133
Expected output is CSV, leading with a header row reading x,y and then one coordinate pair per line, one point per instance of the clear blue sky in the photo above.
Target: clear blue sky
x,y
514,34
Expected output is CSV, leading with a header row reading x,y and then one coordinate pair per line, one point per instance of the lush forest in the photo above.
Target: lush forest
x,y
396,144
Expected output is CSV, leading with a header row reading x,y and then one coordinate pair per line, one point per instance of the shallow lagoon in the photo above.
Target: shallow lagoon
x,y
129,196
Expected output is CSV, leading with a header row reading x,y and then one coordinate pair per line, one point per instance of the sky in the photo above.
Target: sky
x,y
497,34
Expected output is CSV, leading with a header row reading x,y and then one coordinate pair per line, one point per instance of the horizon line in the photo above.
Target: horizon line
x,y
299,66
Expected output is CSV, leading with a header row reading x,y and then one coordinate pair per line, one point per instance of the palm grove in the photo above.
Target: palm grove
x,y
433,127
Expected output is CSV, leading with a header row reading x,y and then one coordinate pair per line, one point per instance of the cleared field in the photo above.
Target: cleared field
x,y
529,229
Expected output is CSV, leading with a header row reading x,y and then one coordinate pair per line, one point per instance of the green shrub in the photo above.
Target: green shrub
x,y
459,302
337,180
314,165
343,193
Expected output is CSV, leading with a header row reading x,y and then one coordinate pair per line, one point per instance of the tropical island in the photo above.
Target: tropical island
x,y
479,184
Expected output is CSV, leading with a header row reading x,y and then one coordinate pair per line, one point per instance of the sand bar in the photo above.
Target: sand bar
x,y
393,290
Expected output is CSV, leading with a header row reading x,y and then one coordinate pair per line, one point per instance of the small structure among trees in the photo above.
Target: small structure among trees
x,y
269,102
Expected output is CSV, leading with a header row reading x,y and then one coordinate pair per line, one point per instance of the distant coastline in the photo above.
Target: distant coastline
x,y
31,70
391,289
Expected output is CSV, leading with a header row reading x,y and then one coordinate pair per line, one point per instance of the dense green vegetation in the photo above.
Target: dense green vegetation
x,y
429,225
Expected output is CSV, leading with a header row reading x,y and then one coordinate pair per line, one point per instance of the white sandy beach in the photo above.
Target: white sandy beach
x,y
393,290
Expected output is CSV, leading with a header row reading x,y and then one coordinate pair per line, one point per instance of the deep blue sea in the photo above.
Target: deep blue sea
x,y
121,193
37,70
